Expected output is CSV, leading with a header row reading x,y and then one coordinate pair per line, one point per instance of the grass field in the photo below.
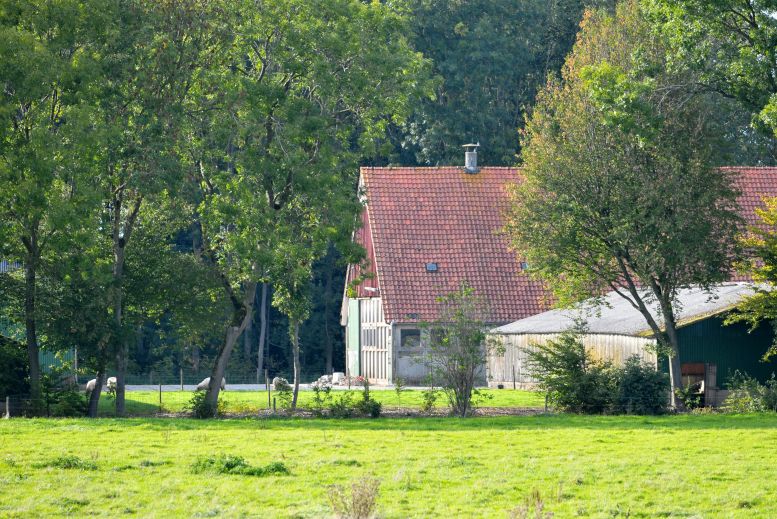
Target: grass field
x,y
144,403
674,466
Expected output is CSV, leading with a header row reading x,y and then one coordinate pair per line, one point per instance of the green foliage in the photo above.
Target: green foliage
x,y
284,393
574,381
747,395
490,57
732,42
641,389
689,396
69,461
399,388
236,465
13,368
429,400
200,407
577,382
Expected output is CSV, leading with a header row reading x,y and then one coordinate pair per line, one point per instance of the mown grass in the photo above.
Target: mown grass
x,y
144,403
673,466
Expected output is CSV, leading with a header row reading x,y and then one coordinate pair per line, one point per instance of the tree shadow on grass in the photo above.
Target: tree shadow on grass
x,y
434,424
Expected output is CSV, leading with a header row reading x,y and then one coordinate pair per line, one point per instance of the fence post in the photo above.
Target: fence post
x,y
7,407
267,385
181,372
513,376
160,397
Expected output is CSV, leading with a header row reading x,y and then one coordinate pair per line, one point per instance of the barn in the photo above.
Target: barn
x,y
710,351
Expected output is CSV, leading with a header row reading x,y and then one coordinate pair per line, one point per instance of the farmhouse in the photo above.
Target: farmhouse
x,y
710,352
428,229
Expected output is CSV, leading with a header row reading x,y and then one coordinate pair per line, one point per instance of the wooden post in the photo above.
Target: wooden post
x,y
513,376
267,385
7,407
273,405
546,402
160,397
181,373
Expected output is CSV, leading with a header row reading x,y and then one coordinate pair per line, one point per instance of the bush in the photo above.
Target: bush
x,y
199,407
359,503
574,380
343,405
429,399
641,389
13,368
228,464
747,395
61,396
285,393
69,461
578,383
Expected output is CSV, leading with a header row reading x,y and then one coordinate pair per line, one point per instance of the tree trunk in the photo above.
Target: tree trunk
x,y
239,322
30,289
94,397
675,374
328,347
262,331
248,339
122,350
295,352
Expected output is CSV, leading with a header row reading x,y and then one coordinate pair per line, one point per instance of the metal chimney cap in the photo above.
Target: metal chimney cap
x,y
471,146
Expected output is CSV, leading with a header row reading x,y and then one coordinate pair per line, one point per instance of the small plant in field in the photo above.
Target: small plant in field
x,y
399,388
69,461
285,393
342,405
368,406
358,503
689,396
428,400
322,397
228,464
199,407
533,507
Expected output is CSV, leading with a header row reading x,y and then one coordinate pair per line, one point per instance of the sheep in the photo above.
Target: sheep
x,y
205,383
110,385
90,385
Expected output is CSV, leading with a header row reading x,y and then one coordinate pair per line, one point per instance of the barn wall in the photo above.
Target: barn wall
x,y
513,365
730,348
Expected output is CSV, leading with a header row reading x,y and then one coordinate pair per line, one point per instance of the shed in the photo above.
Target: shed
x,y
710,352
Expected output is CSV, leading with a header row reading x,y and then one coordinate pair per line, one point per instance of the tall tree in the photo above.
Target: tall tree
x,y
732,42
305,86
490,58
621,190
47,60
149,68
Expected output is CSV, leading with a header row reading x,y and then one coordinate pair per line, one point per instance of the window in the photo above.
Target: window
x,y
410,338
432,267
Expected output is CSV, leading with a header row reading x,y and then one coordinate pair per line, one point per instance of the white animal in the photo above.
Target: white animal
x,y
205,383
111,384
90,385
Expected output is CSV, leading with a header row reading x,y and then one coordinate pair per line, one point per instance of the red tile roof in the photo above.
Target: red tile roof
x,y
443,215
452,218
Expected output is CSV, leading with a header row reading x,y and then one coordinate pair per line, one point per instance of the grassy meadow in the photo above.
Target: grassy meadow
x,y
144,403
673,466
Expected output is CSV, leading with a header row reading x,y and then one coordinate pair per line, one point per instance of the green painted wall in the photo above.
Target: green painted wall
x,y
353,337
730,347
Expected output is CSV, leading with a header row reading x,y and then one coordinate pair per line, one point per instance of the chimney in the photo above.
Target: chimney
x,y
471,158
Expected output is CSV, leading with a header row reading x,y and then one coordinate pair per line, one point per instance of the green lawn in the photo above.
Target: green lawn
x,y
141,403
674,466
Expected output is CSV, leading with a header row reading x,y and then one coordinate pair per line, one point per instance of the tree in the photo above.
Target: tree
x,y
47,60
458,346
151,62
490,58
732,42
761,246
621,191
274,133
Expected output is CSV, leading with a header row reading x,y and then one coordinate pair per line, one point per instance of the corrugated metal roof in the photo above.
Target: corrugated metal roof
x,y
617,316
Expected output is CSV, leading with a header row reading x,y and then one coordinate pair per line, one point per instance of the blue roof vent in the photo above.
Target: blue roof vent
x,y
432,267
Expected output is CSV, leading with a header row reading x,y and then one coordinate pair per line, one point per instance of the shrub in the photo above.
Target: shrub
x,y
574,381
13,368
342,405
641,389
285,393
689,396
322,398
228,464
70,461
61,396
199,407
747,395
359,503
429,399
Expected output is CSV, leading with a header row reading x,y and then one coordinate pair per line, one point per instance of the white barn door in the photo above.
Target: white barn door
x,y
375,341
